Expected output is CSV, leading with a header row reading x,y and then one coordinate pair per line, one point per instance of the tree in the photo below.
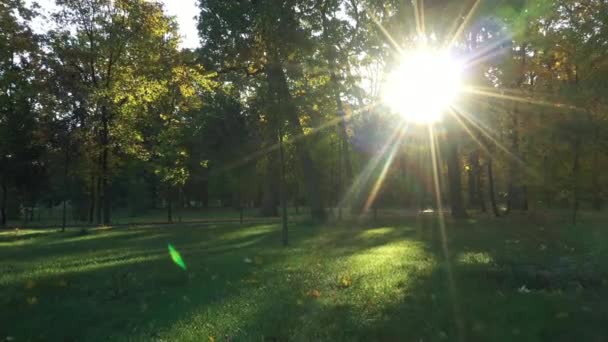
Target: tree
x,y
21,148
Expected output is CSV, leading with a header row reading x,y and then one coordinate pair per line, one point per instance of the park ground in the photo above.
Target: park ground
x,y
524,278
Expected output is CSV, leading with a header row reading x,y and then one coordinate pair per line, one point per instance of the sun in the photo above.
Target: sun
x,y
424,85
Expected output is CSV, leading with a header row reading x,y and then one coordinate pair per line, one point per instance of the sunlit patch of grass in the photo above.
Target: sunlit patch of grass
x,y
376,232
249,232
475,258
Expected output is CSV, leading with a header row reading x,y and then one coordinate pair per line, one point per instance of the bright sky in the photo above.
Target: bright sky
x,y
184,10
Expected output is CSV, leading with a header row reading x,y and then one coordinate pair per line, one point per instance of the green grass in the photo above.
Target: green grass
x,y
385,281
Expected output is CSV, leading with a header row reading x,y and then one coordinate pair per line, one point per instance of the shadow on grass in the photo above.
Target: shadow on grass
x,y
384,281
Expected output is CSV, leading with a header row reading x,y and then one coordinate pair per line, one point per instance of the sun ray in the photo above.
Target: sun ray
x,y
469,131
520,99
357,185
487,52
378,184
470,118
444,240
386,34
462,25
275,146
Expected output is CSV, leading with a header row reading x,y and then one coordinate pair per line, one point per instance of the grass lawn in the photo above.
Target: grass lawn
x,y
505,280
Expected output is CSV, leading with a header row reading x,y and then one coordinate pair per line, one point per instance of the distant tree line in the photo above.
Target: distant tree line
x,y
281,106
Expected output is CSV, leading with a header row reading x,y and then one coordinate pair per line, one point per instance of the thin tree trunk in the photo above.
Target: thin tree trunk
x,y
65,185
575,176
479,179
283,196
547,182
92,200
471,181
169,206
344,156
455,184
491,189
104,166
180,202
278,81
269,194
595,173
98,203
3,204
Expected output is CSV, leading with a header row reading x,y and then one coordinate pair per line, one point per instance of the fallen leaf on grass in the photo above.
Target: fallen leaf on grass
x,y
561,315
345,281
32,300
314,293
30,284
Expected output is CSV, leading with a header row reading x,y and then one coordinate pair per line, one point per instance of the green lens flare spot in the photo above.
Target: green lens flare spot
x,y
176,257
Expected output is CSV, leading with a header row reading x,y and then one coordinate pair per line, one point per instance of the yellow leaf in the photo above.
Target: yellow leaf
x,y
345,281
314,293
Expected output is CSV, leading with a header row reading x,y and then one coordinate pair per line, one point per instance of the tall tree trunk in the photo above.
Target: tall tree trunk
x,y
285,107
479,179
65,185
283,191
547,183
595,172
575,178
492,194
454,180
3,202
98,203
474,182
169,205
269,193
517,193
205,194
104,167
92,200
344,155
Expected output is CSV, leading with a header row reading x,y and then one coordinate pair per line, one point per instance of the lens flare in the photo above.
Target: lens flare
x,y
423,85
